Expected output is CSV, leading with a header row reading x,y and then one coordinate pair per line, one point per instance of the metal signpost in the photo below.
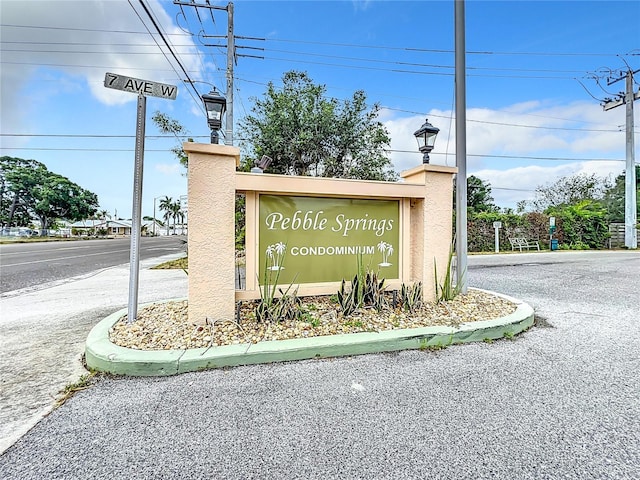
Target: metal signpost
x,y
497,226
143,88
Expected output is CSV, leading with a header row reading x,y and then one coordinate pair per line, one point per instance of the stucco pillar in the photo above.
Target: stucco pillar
x,y
431,224
211,191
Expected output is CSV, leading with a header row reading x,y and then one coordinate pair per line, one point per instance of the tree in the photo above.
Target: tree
x,y
614,198
569,191
176,211
306,133
166,205
30,190
479,197
583,224
170,126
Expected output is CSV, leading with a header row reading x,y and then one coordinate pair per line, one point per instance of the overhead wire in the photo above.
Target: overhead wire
x,y
173,54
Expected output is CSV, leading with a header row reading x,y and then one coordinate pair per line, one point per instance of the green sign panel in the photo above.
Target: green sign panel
x,y
315,240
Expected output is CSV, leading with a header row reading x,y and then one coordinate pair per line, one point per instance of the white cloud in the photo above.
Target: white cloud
x,y
171,169
83,40
571,131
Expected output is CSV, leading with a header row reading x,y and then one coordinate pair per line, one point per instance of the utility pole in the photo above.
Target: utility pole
x,y
231,55
461,147
630,200
231,51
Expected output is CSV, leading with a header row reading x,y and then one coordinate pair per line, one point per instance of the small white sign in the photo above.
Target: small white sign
x,y
141,87
497,224
552,221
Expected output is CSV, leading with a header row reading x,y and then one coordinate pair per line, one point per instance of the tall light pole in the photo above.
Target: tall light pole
x,y
461,148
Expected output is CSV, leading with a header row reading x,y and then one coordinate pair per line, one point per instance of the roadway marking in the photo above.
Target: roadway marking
x,y
47,250
4,265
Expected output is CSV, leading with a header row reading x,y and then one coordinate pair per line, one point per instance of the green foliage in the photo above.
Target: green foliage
x,y
582,224
614,198
170,126
271,308
569,191
240,219
306,133
374,292
347,299
447,290
481,234
28,189
366,291
411,297
479,197
284,308
172,210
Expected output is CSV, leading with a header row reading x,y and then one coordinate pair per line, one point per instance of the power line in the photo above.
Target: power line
x,y
512,157
413,49
93,30
166,42
62,135
349,45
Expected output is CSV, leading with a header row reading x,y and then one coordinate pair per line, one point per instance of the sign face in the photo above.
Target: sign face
x,y
316,240
552,221
141,87
497,224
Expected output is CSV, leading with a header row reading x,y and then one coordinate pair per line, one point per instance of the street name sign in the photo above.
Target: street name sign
x,y
141,87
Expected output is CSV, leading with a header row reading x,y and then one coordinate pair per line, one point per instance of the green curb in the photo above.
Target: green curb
x,y
104,356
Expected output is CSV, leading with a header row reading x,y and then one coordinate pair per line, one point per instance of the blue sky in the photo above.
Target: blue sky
x,y
532,98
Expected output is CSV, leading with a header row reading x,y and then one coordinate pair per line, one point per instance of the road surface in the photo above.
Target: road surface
x,y
32,265
559,401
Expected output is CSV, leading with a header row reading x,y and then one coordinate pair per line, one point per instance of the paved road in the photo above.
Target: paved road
x,y
560,401
43,333
31,265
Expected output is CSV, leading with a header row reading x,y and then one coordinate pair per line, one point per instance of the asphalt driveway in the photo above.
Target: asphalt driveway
x,y
560,401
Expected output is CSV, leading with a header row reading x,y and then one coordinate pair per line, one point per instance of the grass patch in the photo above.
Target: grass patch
x,y
178,263
84,382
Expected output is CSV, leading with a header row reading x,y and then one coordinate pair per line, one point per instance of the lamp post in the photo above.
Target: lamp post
x,y
426,137
215,105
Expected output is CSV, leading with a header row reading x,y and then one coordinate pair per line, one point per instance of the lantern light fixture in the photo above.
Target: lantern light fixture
x,y
215,105
426,137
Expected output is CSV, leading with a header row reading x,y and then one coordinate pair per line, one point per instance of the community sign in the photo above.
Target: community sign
x,y
317,240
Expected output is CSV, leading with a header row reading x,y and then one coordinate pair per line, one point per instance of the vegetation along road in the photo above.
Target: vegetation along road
x,y
33,264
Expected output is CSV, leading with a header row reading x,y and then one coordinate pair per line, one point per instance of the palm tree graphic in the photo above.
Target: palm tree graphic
x,y
275,253
387,250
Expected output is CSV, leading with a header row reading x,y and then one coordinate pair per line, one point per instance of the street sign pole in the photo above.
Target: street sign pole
x,y
142,88
134,264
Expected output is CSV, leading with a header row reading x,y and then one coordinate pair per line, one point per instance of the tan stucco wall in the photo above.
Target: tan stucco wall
x,y
211,190
431,224
213,183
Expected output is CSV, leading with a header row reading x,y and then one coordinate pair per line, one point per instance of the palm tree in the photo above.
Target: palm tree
x,y
175,213
166,205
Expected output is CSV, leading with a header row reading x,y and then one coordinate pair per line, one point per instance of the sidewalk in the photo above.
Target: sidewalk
x,y
43,334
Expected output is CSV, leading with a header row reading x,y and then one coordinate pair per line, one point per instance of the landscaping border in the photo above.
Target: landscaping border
x,y
104,356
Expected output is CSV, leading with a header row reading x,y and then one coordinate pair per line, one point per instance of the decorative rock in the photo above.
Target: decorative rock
x,y
166,326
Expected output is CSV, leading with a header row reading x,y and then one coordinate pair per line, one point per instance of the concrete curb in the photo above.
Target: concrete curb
x,y
104,356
